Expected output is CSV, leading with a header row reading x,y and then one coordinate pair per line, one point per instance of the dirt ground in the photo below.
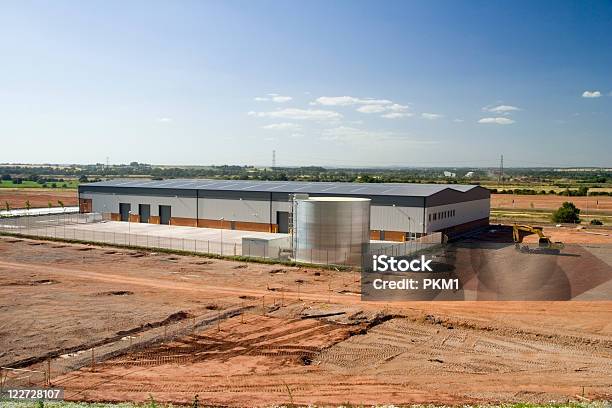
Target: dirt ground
x,y
16,197
304,336
599,204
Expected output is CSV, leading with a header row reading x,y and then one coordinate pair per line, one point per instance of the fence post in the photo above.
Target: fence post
x,y
234,249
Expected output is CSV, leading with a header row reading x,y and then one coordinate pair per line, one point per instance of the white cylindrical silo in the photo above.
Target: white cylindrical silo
x,y
333,230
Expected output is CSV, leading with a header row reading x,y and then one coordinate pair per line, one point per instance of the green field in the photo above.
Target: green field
x,y
33,184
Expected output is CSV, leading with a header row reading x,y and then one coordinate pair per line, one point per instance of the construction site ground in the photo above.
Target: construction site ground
x,y
259,335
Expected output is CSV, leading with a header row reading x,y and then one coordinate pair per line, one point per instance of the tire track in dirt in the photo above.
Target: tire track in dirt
x,y
169,285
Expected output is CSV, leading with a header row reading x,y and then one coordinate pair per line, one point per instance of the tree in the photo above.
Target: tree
x,y
28,205
83,179
49,204
567,213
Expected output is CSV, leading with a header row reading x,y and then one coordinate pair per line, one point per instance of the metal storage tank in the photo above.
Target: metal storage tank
x,y
334,230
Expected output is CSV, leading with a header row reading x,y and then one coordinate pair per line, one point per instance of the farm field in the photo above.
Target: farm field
x,y
594,204
538,208
70,183
38,198
239,334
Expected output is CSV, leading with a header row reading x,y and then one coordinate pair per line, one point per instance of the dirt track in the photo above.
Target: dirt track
x,y
57,297
39,198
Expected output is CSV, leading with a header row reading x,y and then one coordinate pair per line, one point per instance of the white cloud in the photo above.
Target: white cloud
x,y
371,108
281,99
591,94
396,107
431,116
397,111
496,121
396,115
272,97
349,101
458,120
298,114
282,126
164,120
390,109
503,109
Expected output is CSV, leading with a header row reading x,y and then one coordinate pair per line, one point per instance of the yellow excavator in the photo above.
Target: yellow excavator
x,y
545,245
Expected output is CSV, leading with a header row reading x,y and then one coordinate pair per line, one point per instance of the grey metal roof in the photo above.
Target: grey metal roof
x,y
383,189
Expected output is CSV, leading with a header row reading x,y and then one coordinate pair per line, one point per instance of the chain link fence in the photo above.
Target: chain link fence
x,y
82,227
91,228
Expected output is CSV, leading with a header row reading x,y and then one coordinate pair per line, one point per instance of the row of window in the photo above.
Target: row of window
x,y
441,215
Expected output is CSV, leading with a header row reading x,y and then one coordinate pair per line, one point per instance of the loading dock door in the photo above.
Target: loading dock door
x,y
124,211
164,214
144,211
282,219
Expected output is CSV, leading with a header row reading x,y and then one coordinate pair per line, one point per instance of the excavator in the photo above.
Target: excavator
x,y
545,245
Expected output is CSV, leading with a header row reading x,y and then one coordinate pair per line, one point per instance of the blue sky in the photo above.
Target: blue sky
x,y
344,83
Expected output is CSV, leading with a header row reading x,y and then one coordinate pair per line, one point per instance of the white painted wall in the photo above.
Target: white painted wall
x,y
464,212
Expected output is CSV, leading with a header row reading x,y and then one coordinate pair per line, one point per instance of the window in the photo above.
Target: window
x,y
430,217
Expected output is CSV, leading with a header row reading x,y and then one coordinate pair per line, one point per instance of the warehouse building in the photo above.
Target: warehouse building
x,y
398,211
